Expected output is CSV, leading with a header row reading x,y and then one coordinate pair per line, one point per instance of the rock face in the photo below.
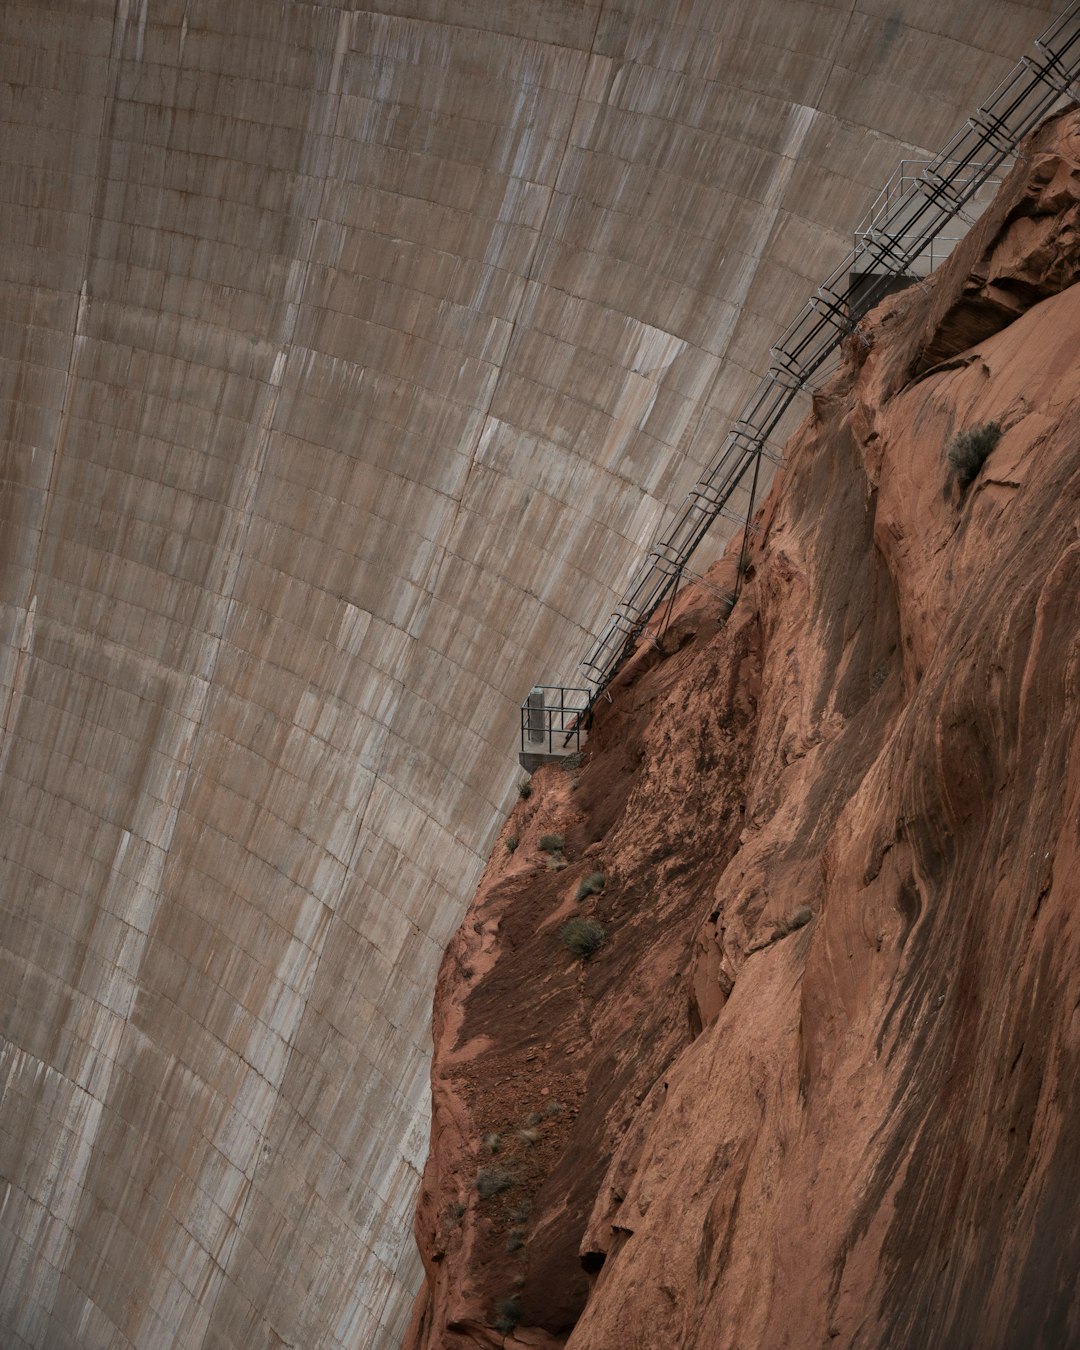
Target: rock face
x,y
820,1084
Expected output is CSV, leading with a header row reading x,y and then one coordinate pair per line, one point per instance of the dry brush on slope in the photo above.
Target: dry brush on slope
x,y
820,1083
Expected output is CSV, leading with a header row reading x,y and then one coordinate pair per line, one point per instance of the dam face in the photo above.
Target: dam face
x,y
348,361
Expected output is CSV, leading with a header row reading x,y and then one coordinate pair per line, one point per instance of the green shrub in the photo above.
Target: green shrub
x,y
551,843
799,919
512,843
525,790
509,1314
516,1240
969,450
490,1181
582,937
593,884
553,1109
790,923
533,1118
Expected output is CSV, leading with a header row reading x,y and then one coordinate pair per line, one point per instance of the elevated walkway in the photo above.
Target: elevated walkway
x,y
916,220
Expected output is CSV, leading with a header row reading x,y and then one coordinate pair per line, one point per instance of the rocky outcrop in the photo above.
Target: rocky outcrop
x,y
819,1083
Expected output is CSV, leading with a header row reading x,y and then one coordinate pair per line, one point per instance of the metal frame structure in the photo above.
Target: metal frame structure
x,y
552,726
910,214
900,194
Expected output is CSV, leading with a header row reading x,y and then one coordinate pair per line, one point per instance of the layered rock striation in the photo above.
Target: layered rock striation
x,y
818,1085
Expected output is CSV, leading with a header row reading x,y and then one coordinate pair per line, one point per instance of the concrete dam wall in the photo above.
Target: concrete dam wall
x,y
348,360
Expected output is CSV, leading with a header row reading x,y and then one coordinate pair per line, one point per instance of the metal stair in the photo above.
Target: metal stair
x,y
910,218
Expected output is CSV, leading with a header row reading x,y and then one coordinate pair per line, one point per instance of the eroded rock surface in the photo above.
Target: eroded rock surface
x,y
820,1085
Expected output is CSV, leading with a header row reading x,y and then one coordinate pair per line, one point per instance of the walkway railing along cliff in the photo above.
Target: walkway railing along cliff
x,y
910,214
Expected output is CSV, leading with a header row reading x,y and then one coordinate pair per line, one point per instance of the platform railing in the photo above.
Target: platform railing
x,y
906,223
894,205
553,719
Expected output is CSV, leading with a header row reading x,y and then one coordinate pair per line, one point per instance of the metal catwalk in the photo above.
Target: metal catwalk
x,y
912,212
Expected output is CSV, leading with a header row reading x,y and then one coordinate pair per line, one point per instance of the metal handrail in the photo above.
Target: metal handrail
x,y
546,720
892,201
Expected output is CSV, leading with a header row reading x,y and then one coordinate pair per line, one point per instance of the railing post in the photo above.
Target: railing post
x,y
535,716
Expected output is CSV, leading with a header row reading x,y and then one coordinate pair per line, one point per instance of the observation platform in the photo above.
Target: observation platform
x,y
554,724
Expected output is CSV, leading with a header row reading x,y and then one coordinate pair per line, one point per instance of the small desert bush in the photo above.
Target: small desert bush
x,y
516,1240
593,884
969,450
491,1181
492,1143
533,1118
525,790
530,1136
551,843
553,1109
799,919
582,937
509,1314
791,922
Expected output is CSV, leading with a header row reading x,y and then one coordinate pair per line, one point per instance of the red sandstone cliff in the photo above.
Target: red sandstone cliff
x,y
820,1085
